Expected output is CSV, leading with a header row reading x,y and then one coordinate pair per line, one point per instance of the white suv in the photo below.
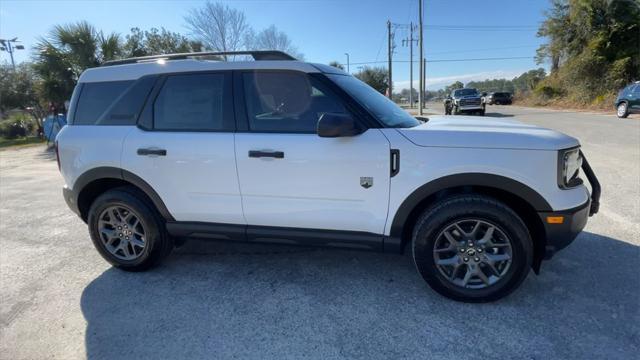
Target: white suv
x,y
160,149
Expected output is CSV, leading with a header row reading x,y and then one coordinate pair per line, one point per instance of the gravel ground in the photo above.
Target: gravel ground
x,y
59,299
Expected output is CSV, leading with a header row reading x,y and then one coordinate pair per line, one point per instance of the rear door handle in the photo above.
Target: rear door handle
x,y
152,152
271,154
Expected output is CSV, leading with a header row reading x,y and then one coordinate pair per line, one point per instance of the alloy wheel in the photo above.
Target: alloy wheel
x,y
473,253
622,109
122,232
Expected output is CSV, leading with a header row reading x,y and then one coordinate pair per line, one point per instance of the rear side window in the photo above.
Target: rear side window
x,y
125,110
286,102
95,98
194,102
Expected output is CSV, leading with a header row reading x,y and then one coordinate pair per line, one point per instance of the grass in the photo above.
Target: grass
x,y
30,140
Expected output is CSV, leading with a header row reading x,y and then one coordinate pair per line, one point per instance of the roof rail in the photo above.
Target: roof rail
x,y
258,55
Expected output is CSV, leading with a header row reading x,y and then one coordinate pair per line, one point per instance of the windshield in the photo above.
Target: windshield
x,y
465,92
385,110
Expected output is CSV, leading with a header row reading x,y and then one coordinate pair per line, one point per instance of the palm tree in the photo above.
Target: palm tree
x,y
66,52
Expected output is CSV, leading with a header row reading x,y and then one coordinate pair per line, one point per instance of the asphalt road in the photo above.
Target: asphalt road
x,y
59,299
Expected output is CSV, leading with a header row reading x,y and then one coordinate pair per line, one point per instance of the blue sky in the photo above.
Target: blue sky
x,y
325,30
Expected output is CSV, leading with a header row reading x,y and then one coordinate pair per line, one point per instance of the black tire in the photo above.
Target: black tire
x,y
622,110
448,211
158,243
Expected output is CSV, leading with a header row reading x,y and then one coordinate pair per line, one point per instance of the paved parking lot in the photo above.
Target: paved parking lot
x,y
59,299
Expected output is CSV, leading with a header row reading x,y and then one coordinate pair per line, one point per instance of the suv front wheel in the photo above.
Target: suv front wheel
x,y
127,230
472,248
623,110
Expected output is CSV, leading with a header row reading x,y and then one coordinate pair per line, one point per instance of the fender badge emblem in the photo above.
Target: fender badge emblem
x,y
366,181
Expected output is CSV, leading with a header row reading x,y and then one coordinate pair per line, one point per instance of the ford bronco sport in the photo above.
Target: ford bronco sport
x,y
164,148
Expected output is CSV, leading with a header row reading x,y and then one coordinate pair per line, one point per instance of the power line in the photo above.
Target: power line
x,y
485,49
480,29
448,60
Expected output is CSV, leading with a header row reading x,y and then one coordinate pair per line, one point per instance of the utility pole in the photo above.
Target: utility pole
x,y
424,77
389,53
420,45
410,42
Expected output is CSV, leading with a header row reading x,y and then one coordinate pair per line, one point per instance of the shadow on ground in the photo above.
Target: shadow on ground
x,y
220,300
498,115
48,153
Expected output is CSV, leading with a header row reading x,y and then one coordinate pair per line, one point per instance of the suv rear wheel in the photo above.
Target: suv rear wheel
x,y
127,230
472,248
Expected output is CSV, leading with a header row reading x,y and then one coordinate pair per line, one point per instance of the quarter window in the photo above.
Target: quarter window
x,y
192,102
95,98
286,102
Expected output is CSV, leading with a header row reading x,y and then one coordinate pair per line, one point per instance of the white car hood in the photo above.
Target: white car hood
x,y
486,132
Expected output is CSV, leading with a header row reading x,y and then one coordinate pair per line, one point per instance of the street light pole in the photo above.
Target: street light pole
x,y
348,71
6,46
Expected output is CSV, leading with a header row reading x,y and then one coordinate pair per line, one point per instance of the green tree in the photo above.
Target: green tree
x,y
19,89
156,42
593,47
66,52
454,86
376,77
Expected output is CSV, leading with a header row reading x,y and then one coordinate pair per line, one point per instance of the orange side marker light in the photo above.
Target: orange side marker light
x,y
555,219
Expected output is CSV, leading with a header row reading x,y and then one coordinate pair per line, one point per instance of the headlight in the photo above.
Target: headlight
x,y
569,163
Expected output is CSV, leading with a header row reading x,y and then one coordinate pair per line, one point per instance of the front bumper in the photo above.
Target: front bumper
x,y
469,107
559,234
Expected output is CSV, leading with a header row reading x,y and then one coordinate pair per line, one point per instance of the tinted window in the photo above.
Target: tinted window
x,y
125,110
95,98
286,102
636,90
385,110
192,102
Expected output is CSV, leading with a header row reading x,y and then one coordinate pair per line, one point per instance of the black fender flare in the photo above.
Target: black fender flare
x,y
526,193
109,172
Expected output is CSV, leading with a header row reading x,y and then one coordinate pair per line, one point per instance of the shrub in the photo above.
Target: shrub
x,y
16,126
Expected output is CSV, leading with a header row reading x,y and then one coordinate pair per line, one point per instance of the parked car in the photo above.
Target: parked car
x,y
499,98
628,100
159,149
464,101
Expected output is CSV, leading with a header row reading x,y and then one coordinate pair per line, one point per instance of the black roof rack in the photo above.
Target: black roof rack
x,y
257,55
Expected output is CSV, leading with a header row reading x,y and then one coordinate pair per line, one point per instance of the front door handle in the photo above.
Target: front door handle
x,y
152,152
271,154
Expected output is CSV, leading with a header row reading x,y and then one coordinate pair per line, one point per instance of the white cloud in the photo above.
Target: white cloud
x,y
434,83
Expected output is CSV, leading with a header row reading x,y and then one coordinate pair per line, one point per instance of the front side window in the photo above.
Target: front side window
x,y
383,109
286,102
192,102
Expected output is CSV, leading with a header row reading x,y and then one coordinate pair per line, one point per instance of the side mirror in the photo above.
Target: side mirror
x,y
337,125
